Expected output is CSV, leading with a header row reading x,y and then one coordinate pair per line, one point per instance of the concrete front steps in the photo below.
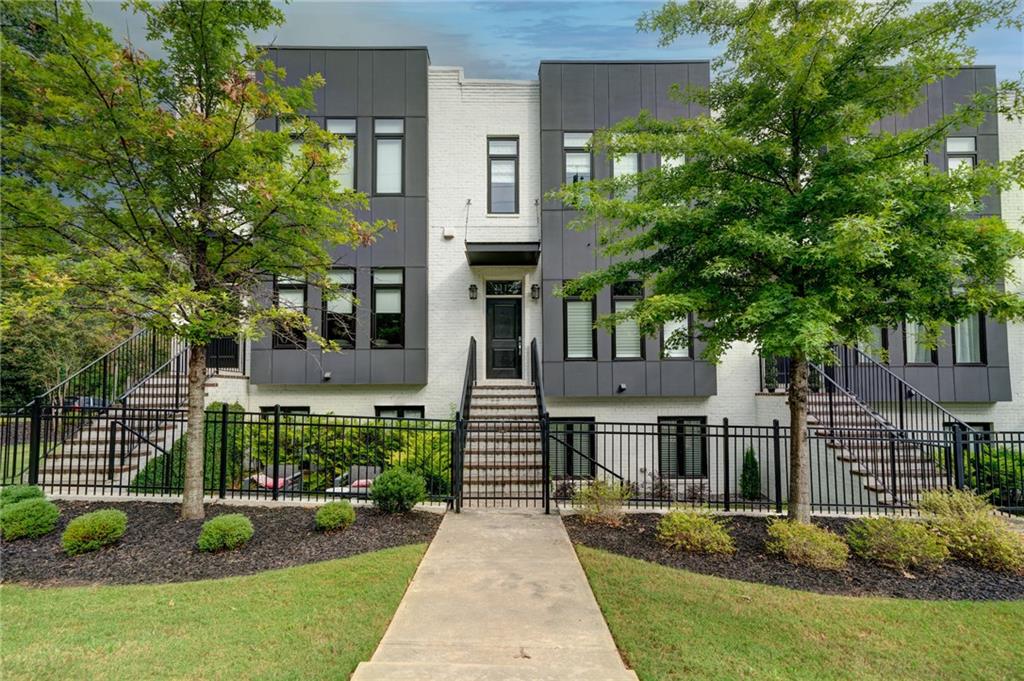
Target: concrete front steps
x,y
502,462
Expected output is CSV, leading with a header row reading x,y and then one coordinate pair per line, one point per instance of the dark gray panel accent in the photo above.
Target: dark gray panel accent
x,y
705,379
999,384
648,88
551,238
416,308
605,380
389,249
676,378
415,83
577,250
363,375
550,167
550,97
387,366
342,366
415,366
415,231
699,77
578,96
365,83
553,378
601,96
389,83
580,378
633,374
971,384
623,91
289,367
996,349
665,76
957,90
340,90
317,65
259,366
552,325
985,81
653,378
416,157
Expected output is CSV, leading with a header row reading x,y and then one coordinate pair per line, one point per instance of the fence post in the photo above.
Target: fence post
x,y
777,455
725,459
545,460
958,455
222,487
35,436
892,462
105,377
112,449
277,448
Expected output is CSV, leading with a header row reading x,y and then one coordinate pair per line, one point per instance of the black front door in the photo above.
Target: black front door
x,y
504,338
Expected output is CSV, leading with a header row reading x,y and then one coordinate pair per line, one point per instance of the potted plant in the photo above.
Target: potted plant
x,y
771,374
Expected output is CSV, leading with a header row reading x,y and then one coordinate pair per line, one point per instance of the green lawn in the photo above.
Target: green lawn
x,y
672,624
310,622
18,454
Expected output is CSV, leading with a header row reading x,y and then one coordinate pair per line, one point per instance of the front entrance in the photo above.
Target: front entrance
x,y
505,337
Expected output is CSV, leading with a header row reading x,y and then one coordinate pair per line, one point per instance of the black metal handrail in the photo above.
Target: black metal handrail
x,y
459,441
572,450
537,378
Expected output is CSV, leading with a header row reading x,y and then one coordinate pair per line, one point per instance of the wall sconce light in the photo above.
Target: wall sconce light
x,y
327,376
621,388
472,291
535,291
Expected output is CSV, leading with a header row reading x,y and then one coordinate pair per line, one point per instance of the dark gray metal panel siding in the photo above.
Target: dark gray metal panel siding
x,y
364,84
582,97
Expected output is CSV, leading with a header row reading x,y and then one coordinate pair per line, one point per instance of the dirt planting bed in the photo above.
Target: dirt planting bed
x,y
956,580
159,547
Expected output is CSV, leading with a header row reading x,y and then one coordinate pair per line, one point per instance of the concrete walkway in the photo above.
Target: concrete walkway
x,y
499,595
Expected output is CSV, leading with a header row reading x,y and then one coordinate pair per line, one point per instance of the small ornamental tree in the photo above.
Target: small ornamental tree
x,y
750,476
147,184
791,224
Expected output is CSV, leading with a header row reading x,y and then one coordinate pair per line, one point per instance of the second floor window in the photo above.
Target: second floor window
x,y
388,305
579,329
878,347
917,351
628,164
503,175
682,328
627,340
340,312
389,136
577,157
289,294
345,128
968,345
960,153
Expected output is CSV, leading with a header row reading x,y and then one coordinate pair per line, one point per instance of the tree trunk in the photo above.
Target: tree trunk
x,y
799,452
192,496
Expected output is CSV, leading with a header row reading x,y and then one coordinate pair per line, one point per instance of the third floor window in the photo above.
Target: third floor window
x,y
503,175
389,139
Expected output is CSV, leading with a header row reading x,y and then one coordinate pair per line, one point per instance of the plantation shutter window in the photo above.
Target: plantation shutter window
x,y
682,327
628,343
579,329
967,340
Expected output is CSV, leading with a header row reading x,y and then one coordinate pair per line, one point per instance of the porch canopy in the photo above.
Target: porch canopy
x,y
499,254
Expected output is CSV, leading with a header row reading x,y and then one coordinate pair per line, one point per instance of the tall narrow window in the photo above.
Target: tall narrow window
x,y
682,447
577,157
388,323
968,340
678,329
345,128
878,346
571,448
670,162
624,166
389,140
627,340
579,328
289,294
339,311
960,153
917,351
503,175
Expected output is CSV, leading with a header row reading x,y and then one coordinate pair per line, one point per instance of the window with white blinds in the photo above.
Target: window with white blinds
x,y
682,447
967,340
628,344
579,329
624,166
571,447
389,143
345,128
676,351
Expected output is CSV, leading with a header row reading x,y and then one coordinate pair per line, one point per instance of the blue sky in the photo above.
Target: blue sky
x,y
508,39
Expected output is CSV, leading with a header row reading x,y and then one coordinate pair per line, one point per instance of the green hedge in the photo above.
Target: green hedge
x,y
93,531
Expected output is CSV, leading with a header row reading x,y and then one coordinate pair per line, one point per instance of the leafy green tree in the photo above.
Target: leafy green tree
x,y
162,195
791,225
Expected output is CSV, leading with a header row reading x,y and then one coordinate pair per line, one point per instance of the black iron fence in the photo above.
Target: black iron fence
x,y
678,461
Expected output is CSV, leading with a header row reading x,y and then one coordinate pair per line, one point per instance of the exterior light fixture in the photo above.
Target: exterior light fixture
x,y
621,389
472,291
535,291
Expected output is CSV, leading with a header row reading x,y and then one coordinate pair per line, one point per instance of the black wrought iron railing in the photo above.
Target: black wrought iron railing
x,y
543,418
461,416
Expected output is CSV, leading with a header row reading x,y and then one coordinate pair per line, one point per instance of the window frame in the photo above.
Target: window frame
x,y
400,408
503,157
982,344
591,432
565,329
377,137
291,410
884,333
324,326
678,421
636,298
633,192
576,150
353,138
277,342
906,356
374,286
689,344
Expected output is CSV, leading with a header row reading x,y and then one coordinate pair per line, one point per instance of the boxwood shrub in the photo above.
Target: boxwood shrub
x,y
93,531
695,532
225,532
397,490
15,493
973,531
808,545
335,515
897,544
31,517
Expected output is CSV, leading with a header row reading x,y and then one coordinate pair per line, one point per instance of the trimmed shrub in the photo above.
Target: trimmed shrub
x,y
602,502
972,531
808,545
225,532
335,515
897,544
93,531
695,532
397,490
31,517
750,477
15,493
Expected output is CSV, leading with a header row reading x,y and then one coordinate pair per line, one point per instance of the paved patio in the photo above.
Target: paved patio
x,y
499,595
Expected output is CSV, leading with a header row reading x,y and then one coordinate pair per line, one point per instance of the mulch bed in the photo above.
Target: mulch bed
x,y
159,547
956,580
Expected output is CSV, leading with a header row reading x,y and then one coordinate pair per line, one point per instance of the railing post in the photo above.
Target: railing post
x,y
152,354
545,454
958,455
829,388
222,483
777,456
892,462
453,474
902,402
112,449
105,364
35,437
277,448
725,460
